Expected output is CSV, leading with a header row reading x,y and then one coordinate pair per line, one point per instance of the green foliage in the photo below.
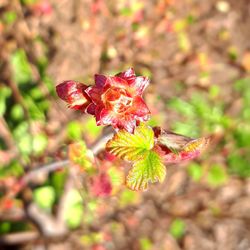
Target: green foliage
x,y
12,169
216,176
81,156
17,112
9,17
44,197
145,244
39,144
239,164
91,239
74,209
90,126
20,67
177,228
195,171
138,148
132,147
148,169
74,130
128,197
5,93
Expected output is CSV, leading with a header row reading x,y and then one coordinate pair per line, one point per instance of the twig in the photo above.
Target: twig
x,y
18,238
45,169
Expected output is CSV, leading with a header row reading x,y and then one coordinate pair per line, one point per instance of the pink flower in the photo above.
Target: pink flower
x,y
117,100
113,100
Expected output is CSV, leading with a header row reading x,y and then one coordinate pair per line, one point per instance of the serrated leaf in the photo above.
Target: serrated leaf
x,y
148,169
138,148
132,147
176,147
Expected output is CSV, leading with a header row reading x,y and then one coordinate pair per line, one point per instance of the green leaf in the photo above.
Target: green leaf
x,y
145,244
148,169
81,156
21,67
216,176
132,147
40,142
74,130
128,197
195,171
45,197
138,148
5,93
9,17
177,228
73,209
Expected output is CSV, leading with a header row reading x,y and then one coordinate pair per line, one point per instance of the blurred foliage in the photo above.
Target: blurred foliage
x,y
30,111
177,228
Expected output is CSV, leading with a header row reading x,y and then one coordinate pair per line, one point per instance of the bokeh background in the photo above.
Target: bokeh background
x,y
197,55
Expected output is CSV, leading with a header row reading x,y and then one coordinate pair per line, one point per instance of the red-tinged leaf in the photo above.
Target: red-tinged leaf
x,y
176,143
81,156
101,185
139,148
182,156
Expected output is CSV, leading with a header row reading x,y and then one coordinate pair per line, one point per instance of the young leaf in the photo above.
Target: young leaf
x,y
178,147
138,148
148,169
81,156
132,147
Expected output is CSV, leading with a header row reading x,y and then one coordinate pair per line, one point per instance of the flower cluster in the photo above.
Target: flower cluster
x,y
113,100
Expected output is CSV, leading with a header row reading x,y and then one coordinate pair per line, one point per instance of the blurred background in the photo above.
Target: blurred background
x,y
197,55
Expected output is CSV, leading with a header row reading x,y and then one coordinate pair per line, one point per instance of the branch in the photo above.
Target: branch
x,y
45,169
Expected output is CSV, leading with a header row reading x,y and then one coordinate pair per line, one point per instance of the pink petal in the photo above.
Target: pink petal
x,y
100,80
139,84
139,109
127,73
118,82
91,109
128,124
106,117
95,94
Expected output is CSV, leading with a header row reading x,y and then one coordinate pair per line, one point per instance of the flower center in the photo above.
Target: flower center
x,y
117,99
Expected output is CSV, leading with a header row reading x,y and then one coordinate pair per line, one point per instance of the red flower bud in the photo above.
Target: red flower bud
x,y
74,94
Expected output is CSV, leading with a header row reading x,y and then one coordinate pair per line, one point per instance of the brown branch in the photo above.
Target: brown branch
x,y
18,238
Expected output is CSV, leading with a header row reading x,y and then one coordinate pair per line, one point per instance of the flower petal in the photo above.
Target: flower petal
x,y
100,80
95,94
91,109
106,117
127,73
128,124
139,109
74,94
118,82
139,84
